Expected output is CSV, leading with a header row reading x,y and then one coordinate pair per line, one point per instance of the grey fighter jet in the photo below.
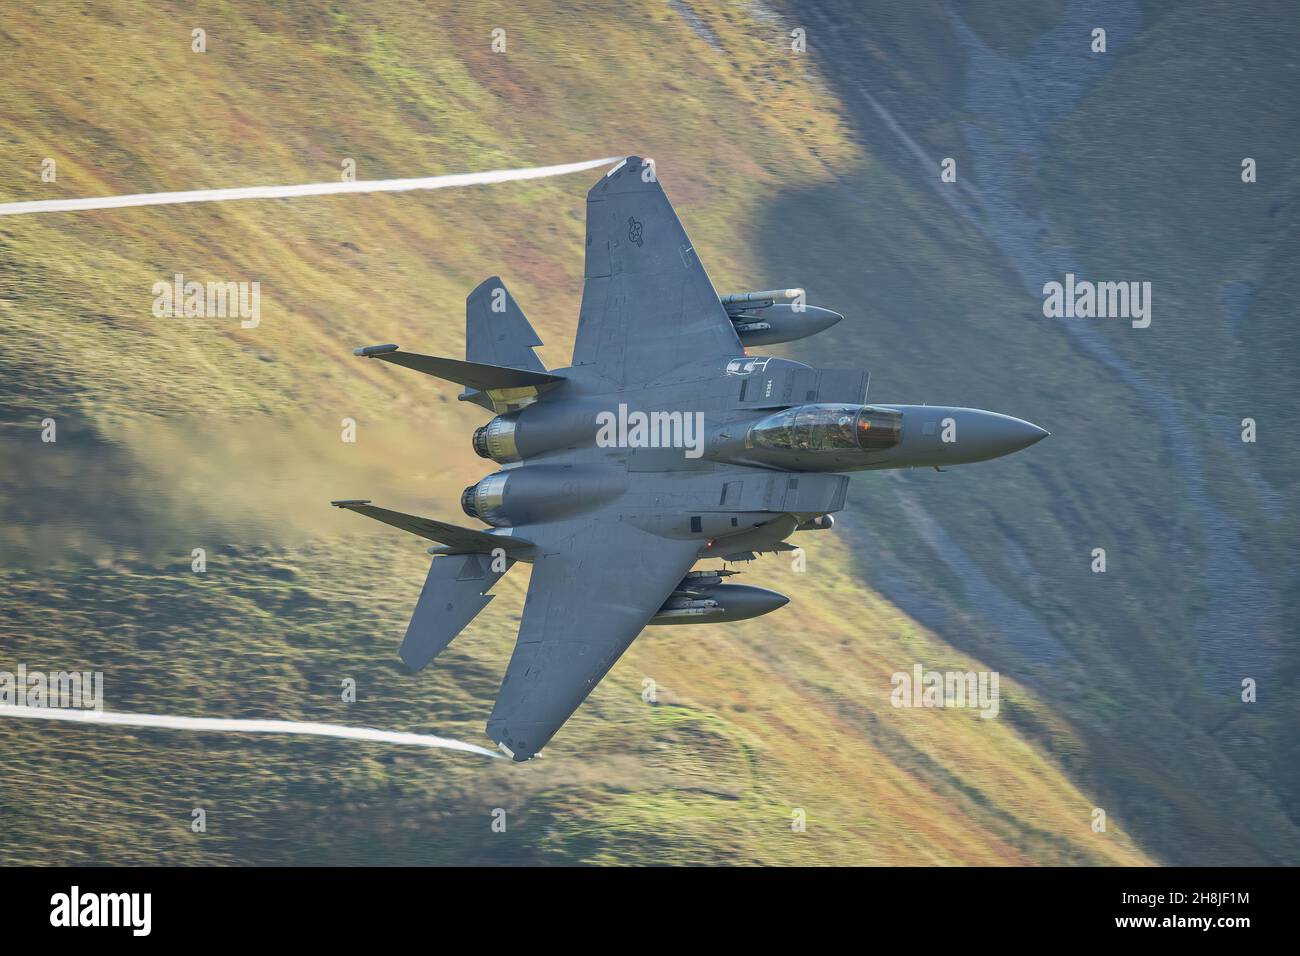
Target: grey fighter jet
x,y
664,443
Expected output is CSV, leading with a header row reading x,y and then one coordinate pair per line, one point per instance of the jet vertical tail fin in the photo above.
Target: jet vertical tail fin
x,y
454,593
497,333
501,371
496,330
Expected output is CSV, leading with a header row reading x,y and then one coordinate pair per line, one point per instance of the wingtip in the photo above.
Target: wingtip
x,y
366,351
508,744
486,286
350,502
517,758
615,179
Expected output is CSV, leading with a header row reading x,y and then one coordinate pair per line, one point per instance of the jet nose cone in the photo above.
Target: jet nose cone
x,y
997,435
942,435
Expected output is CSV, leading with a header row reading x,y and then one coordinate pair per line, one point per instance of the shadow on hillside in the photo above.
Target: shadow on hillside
x,y
995,558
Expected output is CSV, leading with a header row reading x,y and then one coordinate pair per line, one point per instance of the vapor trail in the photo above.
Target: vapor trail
x,y
228,725
304,189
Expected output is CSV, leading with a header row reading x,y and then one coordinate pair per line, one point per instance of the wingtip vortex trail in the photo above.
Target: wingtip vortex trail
x,y
448,181
239,725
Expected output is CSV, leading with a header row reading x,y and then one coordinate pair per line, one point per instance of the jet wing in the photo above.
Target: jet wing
x,y
596,583
647,303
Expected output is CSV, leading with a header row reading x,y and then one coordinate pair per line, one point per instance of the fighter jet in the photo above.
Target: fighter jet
x,y
663,444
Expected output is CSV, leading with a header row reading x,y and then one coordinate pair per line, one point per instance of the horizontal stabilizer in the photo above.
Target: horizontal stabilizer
x,y
454,593
472,374
462,540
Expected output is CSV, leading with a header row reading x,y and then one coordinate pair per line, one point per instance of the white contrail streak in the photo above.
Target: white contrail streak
x,y
304,189
228,725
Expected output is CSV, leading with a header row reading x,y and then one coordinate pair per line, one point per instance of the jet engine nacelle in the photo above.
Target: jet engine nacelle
x,y
760,319
537,429
534,493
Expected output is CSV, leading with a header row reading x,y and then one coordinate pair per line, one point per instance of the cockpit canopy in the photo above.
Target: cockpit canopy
x,y
828,428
